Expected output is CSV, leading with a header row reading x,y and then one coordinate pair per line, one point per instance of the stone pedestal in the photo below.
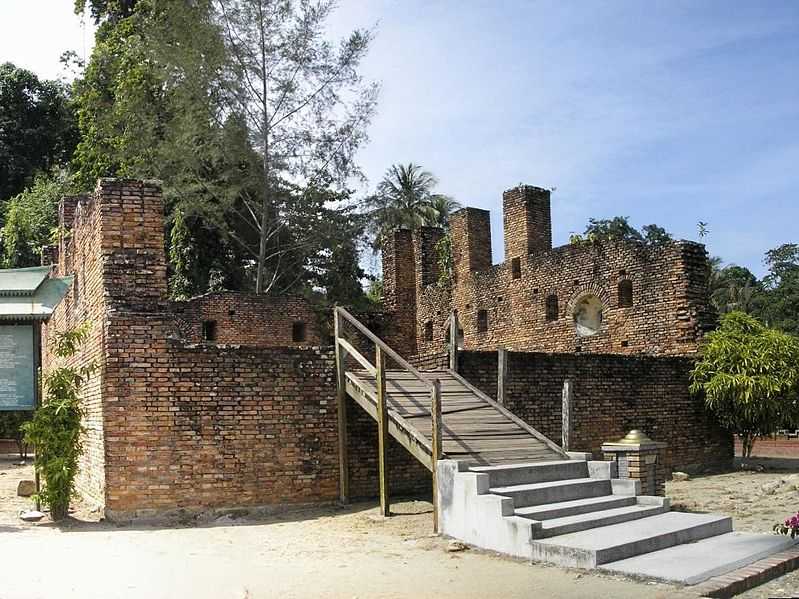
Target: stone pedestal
x,y
639,458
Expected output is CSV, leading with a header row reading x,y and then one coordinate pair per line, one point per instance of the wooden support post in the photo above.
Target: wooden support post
x,y
566,413
453,341
382,431
341,410
435,413
502,375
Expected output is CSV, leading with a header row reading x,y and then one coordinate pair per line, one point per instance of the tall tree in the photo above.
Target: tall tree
x,y
405,198
30,219
305,105
37,128
779,304
733,288
148,107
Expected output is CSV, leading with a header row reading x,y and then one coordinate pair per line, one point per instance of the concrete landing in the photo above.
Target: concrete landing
x,y
693,563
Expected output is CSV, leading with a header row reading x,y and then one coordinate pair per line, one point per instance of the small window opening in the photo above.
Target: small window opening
x,y
576,281
516,268
298,332
482,321
625,293
231,312
428,331
625,343
552,308
535,290
209,330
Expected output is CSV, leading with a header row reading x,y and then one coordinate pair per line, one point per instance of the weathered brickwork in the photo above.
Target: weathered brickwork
x,y
248,319
621,298
177,420
611,395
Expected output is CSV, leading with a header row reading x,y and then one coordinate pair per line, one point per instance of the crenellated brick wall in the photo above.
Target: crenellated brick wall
x,y
506,304
612,394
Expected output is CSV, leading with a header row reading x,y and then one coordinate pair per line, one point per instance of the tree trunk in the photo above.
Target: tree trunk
x,y
59,511
747,443
259,280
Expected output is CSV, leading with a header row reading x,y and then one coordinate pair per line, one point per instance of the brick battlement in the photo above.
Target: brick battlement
x,y
629,298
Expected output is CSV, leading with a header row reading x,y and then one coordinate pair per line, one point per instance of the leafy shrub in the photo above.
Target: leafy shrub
x,y
749,375
56,428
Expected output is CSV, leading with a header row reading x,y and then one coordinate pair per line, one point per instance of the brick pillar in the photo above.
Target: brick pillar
x,y
399,289
527,220
132,228
470,229
639,458
690,279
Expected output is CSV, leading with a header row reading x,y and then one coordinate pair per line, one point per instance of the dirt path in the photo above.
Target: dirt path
x,y
331,552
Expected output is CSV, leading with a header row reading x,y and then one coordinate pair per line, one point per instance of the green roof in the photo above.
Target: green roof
x,y
30,293
22,281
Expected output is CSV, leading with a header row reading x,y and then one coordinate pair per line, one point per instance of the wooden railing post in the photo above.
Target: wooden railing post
x,y
566,415
382,430
453,341
437,445
341,410
502,375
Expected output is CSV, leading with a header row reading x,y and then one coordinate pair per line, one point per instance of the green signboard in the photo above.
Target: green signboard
x,y
17,367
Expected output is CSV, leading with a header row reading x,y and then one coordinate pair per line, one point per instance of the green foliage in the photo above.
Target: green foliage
x,y
106,9
37,128
619,228
733,288
375,291
30,219
749,377
10,428
56,428
445,261
405,199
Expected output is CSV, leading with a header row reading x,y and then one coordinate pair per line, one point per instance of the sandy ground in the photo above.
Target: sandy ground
x,y
331,552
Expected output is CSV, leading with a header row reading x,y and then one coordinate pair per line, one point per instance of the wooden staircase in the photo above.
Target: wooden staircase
x,y
434,414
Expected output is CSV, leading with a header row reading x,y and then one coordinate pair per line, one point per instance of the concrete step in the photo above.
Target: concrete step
x,y
696,562
538,472
554,491
577,506
578,522
590,548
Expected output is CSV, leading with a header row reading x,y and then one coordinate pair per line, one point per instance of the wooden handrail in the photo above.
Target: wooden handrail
x,y
361,359
395,357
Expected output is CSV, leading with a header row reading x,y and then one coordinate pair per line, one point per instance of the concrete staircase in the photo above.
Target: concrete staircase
x,y
575,513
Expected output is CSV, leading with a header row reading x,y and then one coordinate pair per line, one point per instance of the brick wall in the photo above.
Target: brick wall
x,y
249,319
667,315
197,426
81,252
176,422
612,395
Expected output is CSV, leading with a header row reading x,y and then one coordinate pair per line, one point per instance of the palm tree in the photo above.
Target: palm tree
x,y
405,199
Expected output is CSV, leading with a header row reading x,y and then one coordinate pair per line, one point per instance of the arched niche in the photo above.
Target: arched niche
x,y
588,315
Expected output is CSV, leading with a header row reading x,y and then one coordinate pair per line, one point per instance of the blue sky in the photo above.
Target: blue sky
x,y
666,112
